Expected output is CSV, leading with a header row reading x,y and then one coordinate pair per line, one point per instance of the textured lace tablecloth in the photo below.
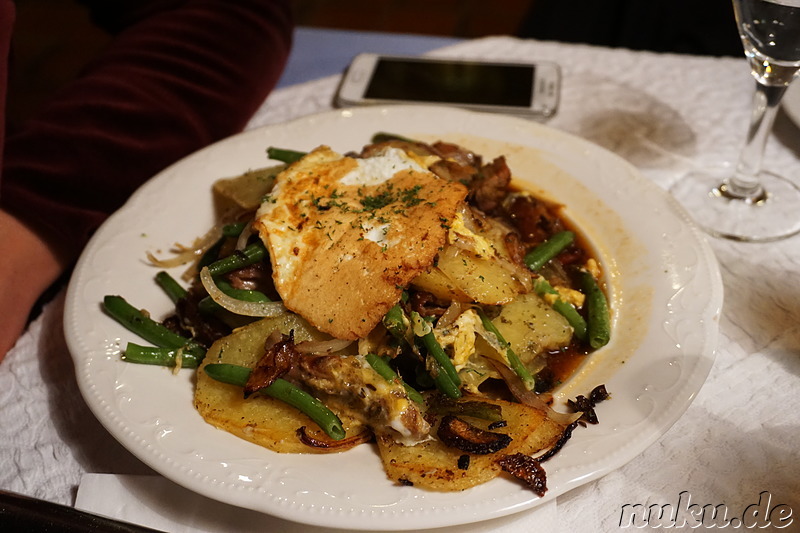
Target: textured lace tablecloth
x,y
663,113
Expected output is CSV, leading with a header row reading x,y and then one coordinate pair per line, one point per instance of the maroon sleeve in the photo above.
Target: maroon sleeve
x,y
7,14
178,76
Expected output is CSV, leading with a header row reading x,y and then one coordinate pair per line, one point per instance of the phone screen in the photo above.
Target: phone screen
x,y
446,82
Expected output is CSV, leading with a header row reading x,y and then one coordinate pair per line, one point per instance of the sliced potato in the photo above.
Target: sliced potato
x,y
259,419
475,265
434,466
483,279
531,326
245,192
437,283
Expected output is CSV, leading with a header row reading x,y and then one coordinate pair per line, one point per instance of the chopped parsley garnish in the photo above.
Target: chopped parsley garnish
x,y
372,203
409,196
401,199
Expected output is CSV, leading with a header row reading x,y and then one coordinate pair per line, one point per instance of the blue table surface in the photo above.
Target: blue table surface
x,y
317,53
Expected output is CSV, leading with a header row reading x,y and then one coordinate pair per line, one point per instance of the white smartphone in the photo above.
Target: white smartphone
x,y
529,89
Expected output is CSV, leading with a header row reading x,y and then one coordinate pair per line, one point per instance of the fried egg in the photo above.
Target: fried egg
x,y
345,235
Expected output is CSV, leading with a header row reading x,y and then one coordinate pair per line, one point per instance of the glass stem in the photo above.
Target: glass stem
x,y
745,184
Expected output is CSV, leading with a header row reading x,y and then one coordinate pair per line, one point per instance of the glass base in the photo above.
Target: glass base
x,y
774,216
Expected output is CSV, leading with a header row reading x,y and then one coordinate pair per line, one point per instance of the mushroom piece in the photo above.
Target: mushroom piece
x,y
527,469
457,433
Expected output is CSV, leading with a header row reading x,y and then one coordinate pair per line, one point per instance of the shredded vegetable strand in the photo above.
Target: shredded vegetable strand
x,y
187,254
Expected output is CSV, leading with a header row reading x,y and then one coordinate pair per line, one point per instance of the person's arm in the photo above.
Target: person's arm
x,y
179,76
28,267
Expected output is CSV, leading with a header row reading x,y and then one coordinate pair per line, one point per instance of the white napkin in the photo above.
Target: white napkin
x,y
156,502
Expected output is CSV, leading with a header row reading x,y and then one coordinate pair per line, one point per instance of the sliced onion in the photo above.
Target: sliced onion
x,y
244,236
240,307
520,273
325,347
528,397
450,315
333,445
491,340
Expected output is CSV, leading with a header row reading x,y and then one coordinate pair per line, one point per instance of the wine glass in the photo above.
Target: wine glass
x,y
742,201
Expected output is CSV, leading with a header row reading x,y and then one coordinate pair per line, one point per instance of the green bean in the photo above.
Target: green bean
x,y
170,286
437,352
544,252
395,322
233,230
247,295
141,324
444,374
282,390
284,155
227,373
435,349
149,355
382,137
443,383
598,319
574,318
212,254
380,366
567,310
208,306
513,359
472,408
251,254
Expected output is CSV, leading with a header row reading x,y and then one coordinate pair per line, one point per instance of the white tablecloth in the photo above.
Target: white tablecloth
x,y
663,113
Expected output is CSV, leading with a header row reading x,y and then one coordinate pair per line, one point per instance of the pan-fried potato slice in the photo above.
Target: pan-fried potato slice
x,y
245,192
432,465
259,419
437,283
482,279
531,326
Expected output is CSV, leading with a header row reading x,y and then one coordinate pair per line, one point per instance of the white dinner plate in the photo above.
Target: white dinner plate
x,y
665,289
791,102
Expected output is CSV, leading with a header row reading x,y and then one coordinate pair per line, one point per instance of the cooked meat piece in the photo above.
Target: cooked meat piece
x,y
280,357
490,186
256,277
516,250
188,320
458,154
534,219
425,304
453,171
